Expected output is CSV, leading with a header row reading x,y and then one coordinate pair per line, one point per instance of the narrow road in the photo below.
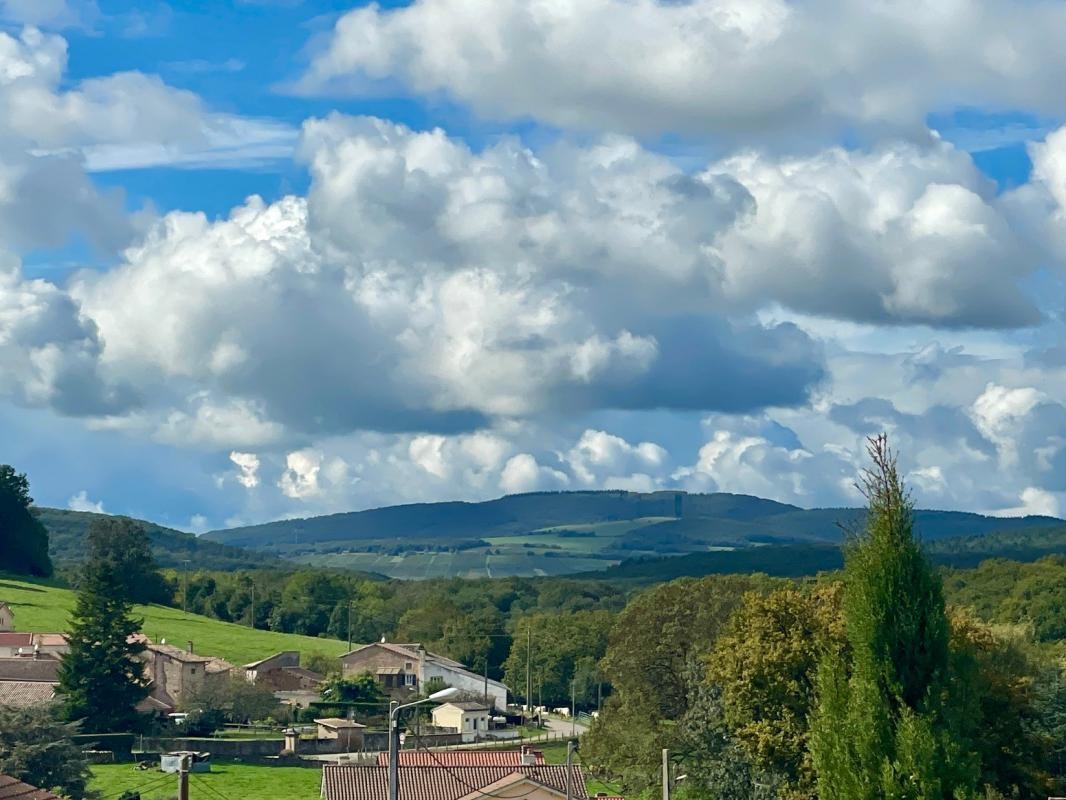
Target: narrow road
x,y
563,726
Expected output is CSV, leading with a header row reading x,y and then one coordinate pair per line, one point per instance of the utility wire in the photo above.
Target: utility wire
x,y
203,782
145,786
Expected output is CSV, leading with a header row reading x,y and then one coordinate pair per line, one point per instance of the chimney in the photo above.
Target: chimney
x,y
188,646
529,758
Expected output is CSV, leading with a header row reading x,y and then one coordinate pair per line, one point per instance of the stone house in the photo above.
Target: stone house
x,y
176,674
282,672
347,733
403,669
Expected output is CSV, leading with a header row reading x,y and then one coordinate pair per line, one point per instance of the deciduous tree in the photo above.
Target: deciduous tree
x,y
23,540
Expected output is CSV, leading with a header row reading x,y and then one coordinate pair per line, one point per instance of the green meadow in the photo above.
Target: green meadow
x,y
46,608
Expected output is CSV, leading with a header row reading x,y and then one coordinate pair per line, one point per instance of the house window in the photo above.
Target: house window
x,y
409,679
193,671
407,665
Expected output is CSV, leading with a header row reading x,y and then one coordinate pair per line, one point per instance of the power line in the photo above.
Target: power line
x,y
203,782
149,784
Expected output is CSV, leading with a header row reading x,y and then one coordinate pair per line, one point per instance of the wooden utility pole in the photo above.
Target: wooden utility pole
x,y
666,775
350,625
529,672
185,590
183,778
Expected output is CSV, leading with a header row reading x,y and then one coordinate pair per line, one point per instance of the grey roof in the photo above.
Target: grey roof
x,y
22,694
29,669
468,705
170,651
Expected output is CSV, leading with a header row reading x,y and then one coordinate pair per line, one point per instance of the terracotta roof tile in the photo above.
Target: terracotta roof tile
x,y
22,694
461,758
11,789
351,782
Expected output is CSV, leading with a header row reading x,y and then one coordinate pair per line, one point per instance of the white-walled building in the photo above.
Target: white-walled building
x,y
404,668
471,719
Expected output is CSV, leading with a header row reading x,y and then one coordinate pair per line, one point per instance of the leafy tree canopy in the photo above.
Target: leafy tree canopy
x,y
23,540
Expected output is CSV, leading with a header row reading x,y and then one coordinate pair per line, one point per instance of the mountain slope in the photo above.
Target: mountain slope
x,y
66,544
554,533
509,515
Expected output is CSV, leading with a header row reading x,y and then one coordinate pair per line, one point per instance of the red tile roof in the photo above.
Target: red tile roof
x,y
351,782
10,789
10,639
461,758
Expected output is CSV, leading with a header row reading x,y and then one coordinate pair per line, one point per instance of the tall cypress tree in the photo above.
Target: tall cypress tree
x,y
102,678
890,724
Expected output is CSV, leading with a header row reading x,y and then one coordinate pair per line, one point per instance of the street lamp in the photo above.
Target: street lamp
x,y
394,736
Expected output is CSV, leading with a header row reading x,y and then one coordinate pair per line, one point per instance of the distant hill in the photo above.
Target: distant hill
x,y
509,515
66,544
555,533
793,561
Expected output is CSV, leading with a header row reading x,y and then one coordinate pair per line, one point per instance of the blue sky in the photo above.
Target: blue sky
x,y
270,258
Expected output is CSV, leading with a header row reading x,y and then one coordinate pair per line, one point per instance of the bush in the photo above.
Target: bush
x,y
204,722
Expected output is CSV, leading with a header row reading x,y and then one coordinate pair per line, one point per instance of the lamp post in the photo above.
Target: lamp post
x,y
394,737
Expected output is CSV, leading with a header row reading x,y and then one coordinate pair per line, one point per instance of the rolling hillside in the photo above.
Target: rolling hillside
x,y
43,607
556,533
793,561
66,544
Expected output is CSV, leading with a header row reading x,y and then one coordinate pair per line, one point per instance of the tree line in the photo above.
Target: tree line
x,y
858,685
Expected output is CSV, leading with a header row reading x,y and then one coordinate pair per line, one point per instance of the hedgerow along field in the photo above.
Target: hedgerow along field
x,y
38,606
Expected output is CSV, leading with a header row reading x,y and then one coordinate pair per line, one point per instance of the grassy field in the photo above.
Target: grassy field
x,y
226,781
39,607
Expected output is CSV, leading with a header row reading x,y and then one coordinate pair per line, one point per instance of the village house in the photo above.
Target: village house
x,y
469,718
292,685
402,669
347,733
282,672
28,681
18,644
177,673
530,782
